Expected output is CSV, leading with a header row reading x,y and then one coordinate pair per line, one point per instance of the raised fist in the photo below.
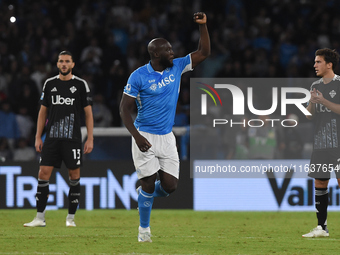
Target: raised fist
x,y
200,18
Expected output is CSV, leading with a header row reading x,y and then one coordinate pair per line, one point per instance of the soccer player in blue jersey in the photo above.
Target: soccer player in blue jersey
x,y
155,87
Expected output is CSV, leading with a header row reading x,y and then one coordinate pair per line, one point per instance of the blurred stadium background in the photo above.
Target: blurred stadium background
x,y
108,39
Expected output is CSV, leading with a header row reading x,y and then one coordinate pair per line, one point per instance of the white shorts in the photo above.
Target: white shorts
x,y
162,155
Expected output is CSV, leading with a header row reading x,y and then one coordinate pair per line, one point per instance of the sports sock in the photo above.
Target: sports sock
x,y
70,216
321,204
73,196
159,191
145,201
42,196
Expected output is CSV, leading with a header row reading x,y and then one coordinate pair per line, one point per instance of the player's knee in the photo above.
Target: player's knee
x,y
148,187
170,187
321,183
45,172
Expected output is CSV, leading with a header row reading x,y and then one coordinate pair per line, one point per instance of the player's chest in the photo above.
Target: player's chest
x,y
63,95
331,92
160,84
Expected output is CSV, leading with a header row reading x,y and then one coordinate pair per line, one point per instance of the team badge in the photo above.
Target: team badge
x,y
332,93
153,87
73,89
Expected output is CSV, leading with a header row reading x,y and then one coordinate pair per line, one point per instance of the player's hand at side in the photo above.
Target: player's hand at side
x,y
200,18
88,146
38,144
142,143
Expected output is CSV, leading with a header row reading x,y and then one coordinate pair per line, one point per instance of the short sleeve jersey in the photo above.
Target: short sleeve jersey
x,y
156,95
327,123
65,101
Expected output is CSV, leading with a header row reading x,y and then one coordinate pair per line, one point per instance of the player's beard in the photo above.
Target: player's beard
x,y
65,73
166,63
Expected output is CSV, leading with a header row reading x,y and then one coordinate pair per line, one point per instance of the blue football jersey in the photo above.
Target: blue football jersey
x,y
156,95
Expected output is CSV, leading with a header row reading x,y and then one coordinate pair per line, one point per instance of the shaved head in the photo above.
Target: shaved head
x,y
154,46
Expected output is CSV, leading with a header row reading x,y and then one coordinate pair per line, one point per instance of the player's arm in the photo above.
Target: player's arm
x,y
311,106
88,146
203,50
42,116
311,109
125,109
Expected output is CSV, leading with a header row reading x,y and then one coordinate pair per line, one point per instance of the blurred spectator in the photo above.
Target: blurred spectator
x,y
3,85
39,75
292,139
101,114
25,123
265,142
181,119
242,141
23,152
5,151
8,125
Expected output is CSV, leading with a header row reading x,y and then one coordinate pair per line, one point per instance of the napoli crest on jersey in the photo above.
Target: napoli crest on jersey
x,y
73,89
332,93
153,87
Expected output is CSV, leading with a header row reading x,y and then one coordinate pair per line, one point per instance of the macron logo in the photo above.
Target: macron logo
x,y
54,89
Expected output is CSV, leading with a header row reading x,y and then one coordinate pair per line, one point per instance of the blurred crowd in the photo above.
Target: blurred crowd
x,y
108,39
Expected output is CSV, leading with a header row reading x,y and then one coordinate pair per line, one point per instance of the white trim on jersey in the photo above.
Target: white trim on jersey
x,y
188,67
147,66
128,95
86,85
335,78
49,79
139,101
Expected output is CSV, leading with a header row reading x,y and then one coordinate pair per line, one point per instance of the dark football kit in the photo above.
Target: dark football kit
x,y
65,101
326,151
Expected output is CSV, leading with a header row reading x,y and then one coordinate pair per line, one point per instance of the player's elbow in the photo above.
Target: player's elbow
x,y
121,110
205,53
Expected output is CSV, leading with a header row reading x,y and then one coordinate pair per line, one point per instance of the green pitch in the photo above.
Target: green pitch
x,y
173,232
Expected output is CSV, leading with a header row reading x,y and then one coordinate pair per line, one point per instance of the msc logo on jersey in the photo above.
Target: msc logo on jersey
x,y
60,100
332,93
73,89
164,82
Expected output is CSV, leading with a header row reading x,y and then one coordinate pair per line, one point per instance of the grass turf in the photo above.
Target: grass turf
x,y
173,232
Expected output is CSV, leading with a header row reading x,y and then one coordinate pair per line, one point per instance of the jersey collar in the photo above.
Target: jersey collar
x,y
336,77
58,76
151,70
149,67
